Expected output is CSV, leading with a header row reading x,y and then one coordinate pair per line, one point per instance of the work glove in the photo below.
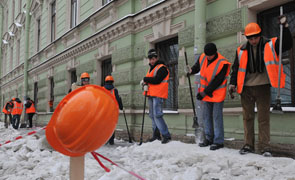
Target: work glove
x,y
145,87
142,83
187,69
200,95
283,20
231,90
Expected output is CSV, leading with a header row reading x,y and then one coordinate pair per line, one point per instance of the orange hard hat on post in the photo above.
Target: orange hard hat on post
x,y
83,121
252,29
84,75
109,78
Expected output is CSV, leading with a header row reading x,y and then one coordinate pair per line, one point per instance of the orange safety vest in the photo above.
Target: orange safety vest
x,y
208,73
31,109
111,91
271,61
5,111
17,108
158,90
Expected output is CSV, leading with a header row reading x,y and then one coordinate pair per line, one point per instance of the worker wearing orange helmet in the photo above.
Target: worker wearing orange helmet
x,y
254,71
109,80
17,110
7,112
85,80
30,110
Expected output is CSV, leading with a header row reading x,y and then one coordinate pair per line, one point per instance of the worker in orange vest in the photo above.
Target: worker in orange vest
x,y
109,80
254,71
157,79
16,112
30,110
214,70
7,112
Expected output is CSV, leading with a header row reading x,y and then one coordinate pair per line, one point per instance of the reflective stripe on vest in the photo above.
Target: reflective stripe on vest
x,y
5,111
17,108
271,60
158,90
209,72
243,60
31,109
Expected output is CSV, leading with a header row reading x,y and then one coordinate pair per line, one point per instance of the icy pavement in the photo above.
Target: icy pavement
x,y
30,158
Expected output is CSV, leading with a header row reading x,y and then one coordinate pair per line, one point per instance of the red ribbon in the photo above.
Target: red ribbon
x,y
95,154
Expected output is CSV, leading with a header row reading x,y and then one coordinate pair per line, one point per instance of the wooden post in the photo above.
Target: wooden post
x,y
77,168
76,163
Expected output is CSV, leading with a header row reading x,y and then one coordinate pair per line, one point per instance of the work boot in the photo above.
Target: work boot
x,y
111,140
266,152
205,143
166,139
216,146
246,149
156,136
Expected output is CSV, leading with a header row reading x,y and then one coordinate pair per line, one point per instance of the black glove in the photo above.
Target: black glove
x,y
200,96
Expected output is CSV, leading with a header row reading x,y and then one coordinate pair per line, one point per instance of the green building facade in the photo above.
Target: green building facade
x,y
47,44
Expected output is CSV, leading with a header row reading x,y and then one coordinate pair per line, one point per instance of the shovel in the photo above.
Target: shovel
x,y
277,109
195,118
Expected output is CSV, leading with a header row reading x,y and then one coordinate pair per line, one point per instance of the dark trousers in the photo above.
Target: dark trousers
x,y
261,96
30,118
6,122
15,121
111,140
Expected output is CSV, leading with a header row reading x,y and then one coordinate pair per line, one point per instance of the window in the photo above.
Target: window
x,y
36,93
13,11
51,98
18,52
73,13
11,59
19,6
38,34
106,67
106,1
4,68
73,76
53,20
168,52
268,22
6,22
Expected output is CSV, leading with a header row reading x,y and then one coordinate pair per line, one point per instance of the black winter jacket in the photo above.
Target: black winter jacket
x,y
161,74
217,81
287,44
110,86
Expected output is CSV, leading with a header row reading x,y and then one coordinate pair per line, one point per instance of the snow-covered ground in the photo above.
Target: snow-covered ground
x,y
30,158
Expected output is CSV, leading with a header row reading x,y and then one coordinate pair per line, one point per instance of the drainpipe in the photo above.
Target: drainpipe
x,y
199,43
27,46
1,57
200,26
1,31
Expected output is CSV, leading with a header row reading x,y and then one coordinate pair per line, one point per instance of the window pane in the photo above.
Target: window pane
x,y
73,13
106,69
168,52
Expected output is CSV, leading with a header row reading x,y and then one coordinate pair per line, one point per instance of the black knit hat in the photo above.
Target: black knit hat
x,y
152,53
210,49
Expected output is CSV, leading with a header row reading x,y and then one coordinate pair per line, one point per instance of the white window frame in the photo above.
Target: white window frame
x,y
73,13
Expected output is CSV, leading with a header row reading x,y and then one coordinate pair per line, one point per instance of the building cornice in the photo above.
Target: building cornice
x,y
129,24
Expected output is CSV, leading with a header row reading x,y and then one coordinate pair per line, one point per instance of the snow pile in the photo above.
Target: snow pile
x,y
31,158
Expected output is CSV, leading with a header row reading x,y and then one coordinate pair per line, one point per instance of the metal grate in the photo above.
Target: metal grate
x,y
168,52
